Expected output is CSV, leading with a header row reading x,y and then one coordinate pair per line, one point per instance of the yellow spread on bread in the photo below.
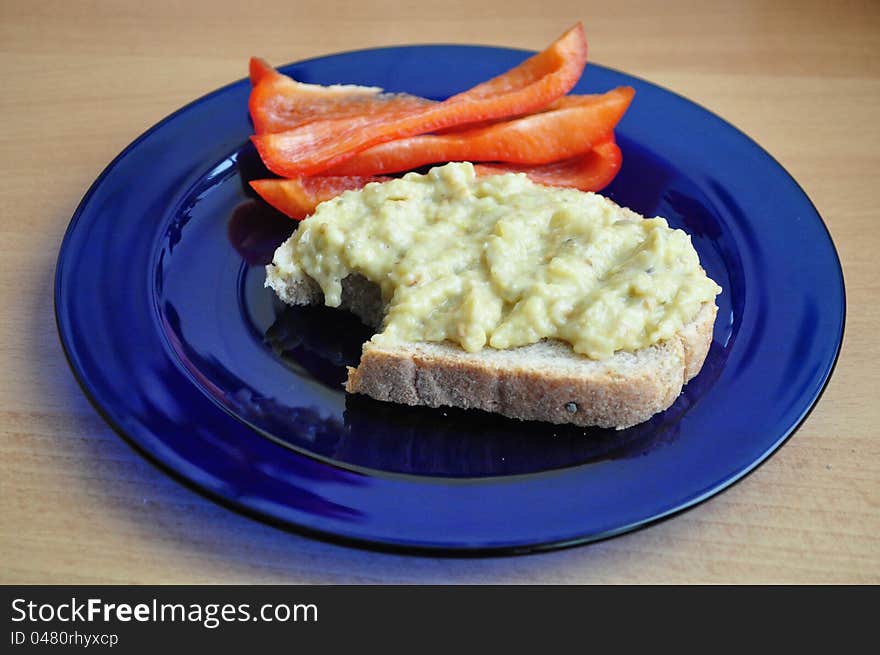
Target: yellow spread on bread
x,y
500,261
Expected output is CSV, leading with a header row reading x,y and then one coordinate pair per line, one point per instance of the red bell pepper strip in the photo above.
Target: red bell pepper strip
x,y
590,172
278,102
570,127
298,197
533,85
259,70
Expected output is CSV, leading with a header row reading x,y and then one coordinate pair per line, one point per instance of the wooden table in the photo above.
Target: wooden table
x,y
81,80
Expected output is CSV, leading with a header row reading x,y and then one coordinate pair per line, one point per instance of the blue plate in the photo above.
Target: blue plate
x,y
162,313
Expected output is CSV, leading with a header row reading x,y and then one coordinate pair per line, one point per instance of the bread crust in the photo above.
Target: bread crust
x,y
620,392
546,381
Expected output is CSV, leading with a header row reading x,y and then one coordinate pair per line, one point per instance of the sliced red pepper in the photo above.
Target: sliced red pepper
x,y
260,70
570,127
534,84
297,198
278,102
590,172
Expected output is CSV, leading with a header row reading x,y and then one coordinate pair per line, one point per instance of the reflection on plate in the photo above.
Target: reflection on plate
x,y
200,367
320,342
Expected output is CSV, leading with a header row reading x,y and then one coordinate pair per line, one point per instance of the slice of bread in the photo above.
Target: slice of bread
x,y
545,381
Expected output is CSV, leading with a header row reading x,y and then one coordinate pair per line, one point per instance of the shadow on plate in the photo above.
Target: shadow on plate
x,y
318,343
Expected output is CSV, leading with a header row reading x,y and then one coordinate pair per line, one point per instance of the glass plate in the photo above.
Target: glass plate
x,y
163,316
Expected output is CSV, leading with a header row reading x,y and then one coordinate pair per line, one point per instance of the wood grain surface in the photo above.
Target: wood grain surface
x,y
82,79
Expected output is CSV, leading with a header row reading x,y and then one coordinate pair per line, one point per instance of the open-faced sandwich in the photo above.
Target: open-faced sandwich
x,y
506,285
